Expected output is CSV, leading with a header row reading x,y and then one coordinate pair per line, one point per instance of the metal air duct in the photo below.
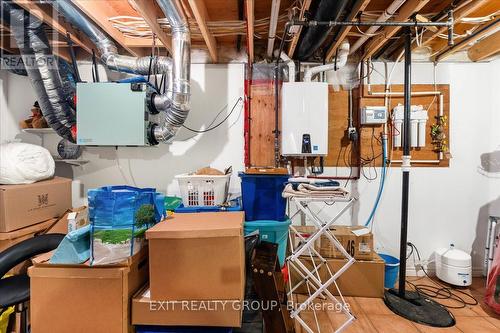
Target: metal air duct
x,y
176,105
54,95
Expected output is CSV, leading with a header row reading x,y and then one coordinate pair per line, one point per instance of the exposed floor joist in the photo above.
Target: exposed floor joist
x,y
405,12
458,15
359,6
295,39
45,14
250,11
201,15
99,11
485,48
485,30
150,12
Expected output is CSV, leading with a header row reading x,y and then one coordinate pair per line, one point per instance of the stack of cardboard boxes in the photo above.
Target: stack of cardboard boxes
x,y
195,277
365,278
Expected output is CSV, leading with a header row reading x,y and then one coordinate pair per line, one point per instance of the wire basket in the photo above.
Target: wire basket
x,y
203,190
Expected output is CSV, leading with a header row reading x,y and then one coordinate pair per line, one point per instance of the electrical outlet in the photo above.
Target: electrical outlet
x,y
418,267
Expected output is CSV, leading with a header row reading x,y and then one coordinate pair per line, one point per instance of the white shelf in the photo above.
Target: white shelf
x,y
39,131
76,162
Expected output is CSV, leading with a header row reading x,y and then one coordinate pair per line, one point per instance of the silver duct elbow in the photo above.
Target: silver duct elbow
x,y
176,104
107,48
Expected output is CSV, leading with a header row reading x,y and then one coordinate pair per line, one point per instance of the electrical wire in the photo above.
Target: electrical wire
x,y
439,291
220,123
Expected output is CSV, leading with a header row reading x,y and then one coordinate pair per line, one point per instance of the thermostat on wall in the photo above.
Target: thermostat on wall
x,y
373,115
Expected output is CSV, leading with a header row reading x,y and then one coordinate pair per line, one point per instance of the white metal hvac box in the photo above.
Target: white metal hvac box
x,y
304,119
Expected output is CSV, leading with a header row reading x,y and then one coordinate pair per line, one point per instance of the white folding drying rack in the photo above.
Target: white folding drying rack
x,y
317,285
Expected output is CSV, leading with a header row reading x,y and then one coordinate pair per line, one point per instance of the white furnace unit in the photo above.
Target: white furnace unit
x,y
304,119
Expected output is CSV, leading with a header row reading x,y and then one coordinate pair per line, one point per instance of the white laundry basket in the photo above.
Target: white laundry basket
x,y
203,190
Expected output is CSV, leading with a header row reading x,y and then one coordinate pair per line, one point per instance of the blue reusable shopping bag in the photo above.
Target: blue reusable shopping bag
x,y
119,217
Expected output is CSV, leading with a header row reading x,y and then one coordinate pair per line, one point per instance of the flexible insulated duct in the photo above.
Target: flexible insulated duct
x,y
313,36
54,95
107,48
177,104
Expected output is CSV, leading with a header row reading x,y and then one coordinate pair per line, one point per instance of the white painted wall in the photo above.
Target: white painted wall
x,y
448,205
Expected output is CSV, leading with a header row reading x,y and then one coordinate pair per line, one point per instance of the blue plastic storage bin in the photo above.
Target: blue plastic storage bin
x,y
168,329
262,199
271,231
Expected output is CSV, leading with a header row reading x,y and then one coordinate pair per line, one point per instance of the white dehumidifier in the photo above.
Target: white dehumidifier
x,y
454,266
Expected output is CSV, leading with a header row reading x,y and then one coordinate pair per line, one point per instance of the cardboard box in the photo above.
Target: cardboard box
x,y
198,256
71,220
81,298
25,205
8,239
218,313
362,279
360,247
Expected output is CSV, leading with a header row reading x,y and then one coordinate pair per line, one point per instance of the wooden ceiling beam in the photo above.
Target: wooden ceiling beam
x,y
250,11
404,13
483,31
293,43
201,15
99,12
45,13
485,48
150,12
466,10
359,6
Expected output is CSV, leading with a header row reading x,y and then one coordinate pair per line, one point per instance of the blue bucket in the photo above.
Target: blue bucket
x,y
391,270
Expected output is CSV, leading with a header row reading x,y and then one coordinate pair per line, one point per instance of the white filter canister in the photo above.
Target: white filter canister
x,y
414,133
422,124
398,132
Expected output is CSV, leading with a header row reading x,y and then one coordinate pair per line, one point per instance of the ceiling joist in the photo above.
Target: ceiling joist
x,y
359,6
483,31
100,11
150,12
466,10
485,48
201,15
250,10
293,44
405,12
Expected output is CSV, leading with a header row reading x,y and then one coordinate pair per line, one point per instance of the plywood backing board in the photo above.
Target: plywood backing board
x,y
429,102
262,123
341,151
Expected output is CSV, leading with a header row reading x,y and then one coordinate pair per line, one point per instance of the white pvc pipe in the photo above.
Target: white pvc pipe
x,y
273,22
291,65
387,14
341,62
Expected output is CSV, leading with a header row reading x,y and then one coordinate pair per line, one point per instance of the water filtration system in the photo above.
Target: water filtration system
x,y
418,122
454,266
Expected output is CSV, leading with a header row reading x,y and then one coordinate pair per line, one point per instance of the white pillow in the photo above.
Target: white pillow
x,y
24,163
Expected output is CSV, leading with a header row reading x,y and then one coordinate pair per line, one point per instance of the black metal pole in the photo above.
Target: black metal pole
x,y
406,163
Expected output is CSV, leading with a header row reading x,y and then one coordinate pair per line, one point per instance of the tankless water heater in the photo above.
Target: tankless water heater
x,y
304,119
